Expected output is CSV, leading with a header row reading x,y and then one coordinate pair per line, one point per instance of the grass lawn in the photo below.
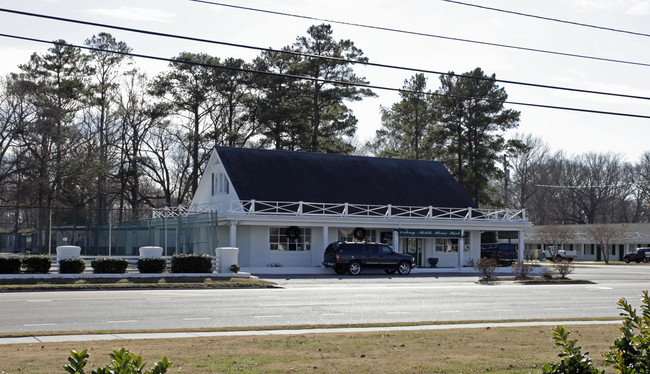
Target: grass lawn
x,y
490,350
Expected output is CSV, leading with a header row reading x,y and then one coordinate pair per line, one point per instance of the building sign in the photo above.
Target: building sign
x,y
429,233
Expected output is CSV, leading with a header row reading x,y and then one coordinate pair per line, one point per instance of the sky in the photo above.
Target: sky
x,y
574,133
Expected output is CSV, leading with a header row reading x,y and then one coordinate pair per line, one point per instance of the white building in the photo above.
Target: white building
x,y
626,237
283,208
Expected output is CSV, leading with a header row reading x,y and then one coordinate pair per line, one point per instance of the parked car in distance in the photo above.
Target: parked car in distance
x,y
504,253
639,254
559,254
346,257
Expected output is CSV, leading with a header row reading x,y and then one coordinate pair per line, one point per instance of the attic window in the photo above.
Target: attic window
x,y
220,185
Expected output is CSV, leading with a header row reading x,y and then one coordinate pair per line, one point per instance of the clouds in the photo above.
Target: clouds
x,y
629,7
135,14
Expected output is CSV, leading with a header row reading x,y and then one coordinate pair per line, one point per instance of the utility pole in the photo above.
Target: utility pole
x,y
506,173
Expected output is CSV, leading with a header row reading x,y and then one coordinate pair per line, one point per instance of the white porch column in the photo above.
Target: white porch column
x,y
522,247
396,241
233,233
326,232
461,250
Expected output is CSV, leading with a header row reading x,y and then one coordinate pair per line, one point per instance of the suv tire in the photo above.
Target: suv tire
x,y
404,268
354,268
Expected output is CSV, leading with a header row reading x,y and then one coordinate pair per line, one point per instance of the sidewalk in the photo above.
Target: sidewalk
x,y
347,330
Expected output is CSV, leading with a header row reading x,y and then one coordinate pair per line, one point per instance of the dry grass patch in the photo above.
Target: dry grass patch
x,y
493,350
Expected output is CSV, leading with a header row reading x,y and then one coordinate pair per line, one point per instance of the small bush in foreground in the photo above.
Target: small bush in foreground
x,y
109,265
39,264
630,353
522,271
572,358
546,274
563,268
152,265
191,264
9,264
235,268
486,266
123,362
72,266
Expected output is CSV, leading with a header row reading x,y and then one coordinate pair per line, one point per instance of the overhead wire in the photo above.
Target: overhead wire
x,y
328,81
578,187
521,48
574,23
302,54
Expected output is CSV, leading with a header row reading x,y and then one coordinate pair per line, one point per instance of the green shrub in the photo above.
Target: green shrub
x,y
73,265
122,362
9,264
572,360
39,264
152,265
191,264
110,265
630,353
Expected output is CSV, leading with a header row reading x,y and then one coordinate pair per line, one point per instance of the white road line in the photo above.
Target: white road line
x,y
39,301
332,314
127,321
398,312
275,316
196,319
39,324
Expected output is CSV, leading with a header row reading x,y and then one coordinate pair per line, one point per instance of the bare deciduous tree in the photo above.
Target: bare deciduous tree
x,y
605,236
555,236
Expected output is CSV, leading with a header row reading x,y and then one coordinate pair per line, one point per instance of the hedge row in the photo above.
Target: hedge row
x,y
12,264
41,264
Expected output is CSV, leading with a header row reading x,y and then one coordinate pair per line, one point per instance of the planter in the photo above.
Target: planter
x,y
151,252
64,252
433,261
226,257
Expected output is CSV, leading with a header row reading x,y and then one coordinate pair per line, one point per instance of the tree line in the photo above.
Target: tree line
x,y
591,188
87,129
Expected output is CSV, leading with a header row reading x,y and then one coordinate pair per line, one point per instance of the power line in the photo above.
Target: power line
x,y
327,81
302,54
549,18
566,54
617,185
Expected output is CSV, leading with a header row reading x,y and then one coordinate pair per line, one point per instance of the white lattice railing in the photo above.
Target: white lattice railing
x,y
301,208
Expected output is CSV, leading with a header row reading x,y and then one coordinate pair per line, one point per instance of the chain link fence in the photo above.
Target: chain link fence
x,y
37,230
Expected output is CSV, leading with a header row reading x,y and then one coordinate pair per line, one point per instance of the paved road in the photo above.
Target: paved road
x,y
325,300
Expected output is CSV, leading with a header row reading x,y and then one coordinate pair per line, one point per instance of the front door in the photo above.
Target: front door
x,y
414,247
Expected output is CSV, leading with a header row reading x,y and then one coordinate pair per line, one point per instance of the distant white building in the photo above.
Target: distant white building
x,y
630,237
283,208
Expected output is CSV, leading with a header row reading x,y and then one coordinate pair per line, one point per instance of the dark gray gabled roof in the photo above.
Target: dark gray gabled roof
x,y
326,178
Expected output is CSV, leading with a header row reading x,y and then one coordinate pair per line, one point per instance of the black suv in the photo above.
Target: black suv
x,y
350,258
639,254
505,254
